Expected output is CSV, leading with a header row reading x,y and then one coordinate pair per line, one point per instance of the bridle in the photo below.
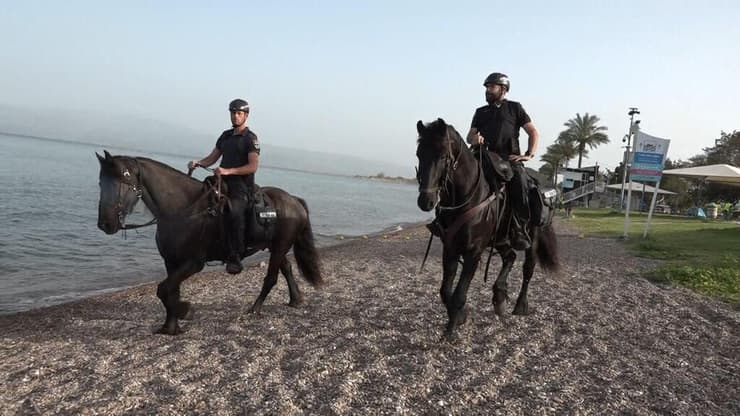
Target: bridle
x,y
448,233
131,187
215,189
447,177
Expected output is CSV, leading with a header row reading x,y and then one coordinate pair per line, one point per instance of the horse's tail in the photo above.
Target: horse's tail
x,y
547,249
306,255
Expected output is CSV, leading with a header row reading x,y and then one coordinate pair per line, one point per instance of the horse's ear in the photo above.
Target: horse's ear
x,y
419,126
101,159
441,121
107,155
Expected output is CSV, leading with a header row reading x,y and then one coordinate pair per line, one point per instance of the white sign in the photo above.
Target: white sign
x,y
649,157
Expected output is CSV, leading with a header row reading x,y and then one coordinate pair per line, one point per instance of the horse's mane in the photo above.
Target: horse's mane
x,y
436,131
169,169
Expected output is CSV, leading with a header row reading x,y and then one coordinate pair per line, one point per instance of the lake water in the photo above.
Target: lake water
x,y
51,250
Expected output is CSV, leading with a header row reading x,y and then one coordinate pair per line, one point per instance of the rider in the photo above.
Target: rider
x,y
497,126
240,149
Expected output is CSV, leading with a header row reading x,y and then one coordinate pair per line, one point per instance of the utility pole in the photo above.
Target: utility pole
x,y
627,163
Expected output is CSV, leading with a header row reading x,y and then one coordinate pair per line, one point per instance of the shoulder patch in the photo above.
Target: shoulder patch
x,y
255,142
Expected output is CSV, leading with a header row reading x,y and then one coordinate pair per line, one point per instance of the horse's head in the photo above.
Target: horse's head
x,y
120,190
438,150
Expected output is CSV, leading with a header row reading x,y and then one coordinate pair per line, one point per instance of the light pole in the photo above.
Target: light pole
x,y
626,165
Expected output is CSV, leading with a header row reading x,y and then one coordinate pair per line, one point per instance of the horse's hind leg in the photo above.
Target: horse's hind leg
x,y
276,260
530,261
296,297
500,287
168,292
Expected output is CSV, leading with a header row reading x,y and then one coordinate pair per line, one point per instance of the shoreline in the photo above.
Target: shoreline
x,y
249,262
599,340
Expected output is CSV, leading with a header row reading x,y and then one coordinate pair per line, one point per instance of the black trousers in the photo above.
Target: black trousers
x,y
236,220
518,190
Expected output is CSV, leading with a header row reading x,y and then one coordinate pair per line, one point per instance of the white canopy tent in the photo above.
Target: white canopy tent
x,y
725,174
638,187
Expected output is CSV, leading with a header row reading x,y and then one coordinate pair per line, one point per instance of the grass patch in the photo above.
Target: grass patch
x,y
700,254
719,280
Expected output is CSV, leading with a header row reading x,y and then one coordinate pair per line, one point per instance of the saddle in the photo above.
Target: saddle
x,y
261,218
541,202
493,163
260,212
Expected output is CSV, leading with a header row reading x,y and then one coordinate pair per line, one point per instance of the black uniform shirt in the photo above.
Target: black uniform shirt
x,y
235,150
500,126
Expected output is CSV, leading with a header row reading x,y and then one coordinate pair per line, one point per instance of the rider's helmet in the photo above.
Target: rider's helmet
x,y
239,105
498,78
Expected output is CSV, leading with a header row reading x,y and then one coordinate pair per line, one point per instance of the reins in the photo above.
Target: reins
x,y
447,235
215,189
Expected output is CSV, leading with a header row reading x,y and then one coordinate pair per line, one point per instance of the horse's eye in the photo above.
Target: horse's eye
x,y
126,174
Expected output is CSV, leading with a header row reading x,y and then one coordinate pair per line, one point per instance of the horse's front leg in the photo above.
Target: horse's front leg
x,y
449,271
530,261
456,309
500,287
168,292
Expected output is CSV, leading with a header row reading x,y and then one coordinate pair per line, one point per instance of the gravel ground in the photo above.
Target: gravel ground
x,y
600,340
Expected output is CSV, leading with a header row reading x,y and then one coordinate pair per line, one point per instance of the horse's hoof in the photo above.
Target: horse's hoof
x,y
255,310
498,309
450,337
521,310
169,330
184,311
464,314
294,303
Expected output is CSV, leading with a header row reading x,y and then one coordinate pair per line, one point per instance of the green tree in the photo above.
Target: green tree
x,y
556,156
726,150
585,133
616,175
685,189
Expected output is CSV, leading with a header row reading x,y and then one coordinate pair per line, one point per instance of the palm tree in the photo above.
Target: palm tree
x,y
557,155
585,132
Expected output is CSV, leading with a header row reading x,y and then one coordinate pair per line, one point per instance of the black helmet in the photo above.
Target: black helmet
x,y
497,78
239,105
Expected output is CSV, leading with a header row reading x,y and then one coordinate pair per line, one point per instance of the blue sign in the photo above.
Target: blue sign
x,y
648,159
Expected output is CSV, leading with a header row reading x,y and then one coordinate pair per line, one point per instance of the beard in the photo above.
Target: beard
x,y
492,98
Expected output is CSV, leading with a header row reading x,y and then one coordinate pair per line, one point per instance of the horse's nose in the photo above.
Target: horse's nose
x,y
106,226
426,201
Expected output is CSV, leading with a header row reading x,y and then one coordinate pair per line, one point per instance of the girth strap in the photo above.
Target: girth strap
x,y
449,234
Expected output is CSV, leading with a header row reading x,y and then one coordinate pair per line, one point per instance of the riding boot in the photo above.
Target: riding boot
x,y
236,235
233,262
520,206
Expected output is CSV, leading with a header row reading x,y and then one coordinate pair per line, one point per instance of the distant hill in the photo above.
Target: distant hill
x,y
132,132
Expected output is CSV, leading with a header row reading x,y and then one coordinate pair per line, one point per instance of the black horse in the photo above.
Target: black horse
x,y
471,217
188,230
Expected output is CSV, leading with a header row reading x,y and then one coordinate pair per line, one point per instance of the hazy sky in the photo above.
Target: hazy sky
x,y
345,77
